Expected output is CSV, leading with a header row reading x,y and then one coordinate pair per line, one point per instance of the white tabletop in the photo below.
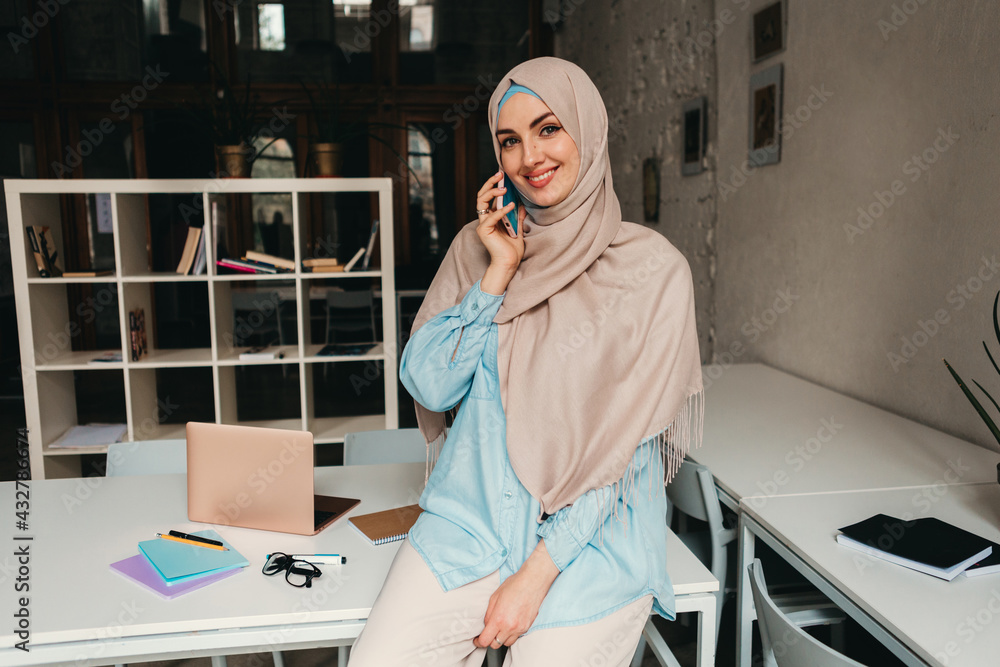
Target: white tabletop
x,y
768,433
81,526
955,623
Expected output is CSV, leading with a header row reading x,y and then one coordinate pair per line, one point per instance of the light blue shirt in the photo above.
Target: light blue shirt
x,y
479,517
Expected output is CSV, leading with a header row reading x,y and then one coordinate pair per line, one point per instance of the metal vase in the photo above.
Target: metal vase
x,y
233,161
328,159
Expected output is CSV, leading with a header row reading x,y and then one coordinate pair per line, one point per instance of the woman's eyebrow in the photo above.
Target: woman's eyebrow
x,y
533,124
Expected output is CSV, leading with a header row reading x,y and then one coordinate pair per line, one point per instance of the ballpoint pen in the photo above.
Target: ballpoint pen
x,y
191,542
196,538
318,559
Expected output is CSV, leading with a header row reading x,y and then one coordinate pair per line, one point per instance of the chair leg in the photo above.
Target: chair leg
x,y
218,661
279,660
343,653
639,651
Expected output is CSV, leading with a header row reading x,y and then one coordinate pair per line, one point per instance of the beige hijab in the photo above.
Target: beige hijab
x,y
598,350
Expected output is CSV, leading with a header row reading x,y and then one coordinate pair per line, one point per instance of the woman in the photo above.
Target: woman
x,y
571,354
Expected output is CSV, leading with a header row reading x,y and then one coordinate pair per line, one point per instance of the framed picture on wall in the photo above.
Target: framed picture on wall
x,y
765,116
695,136
769,26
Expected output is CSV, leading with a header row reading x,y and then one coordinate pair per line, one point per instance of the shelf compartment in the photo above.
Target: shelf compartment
x,y
341,312
163,400
259,392
178,330
74,397
232,357
344,396
41,210
59,313
255,314
152,231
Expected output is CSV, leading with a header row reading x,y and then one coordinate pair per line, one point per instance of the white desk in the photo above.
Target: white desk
x,y
769,435
922,619
82,611
765,430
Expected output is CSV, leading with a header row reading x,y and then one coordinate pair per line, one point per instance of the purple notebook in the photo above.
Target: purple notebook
x,y
138,569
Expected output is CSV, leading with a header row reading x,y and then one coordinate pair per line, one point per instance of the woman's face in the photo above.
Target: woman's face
x,y
536,151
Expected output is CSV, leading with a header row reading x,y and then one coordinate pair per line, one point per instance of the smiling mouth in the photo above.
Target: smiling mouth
x,y
543,179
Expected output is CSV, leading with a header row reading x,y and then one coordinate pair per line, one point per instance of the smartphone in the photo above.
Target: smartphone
x,y
509,220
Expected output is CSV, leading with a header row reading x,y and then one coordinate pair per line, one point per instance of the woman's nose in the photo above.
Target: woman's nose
x,y
532,154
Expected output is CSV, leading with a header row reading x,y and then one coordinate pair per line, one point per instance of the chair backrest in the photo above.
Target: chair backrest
x,y
147,457
692,491
342,299
404,445
789,644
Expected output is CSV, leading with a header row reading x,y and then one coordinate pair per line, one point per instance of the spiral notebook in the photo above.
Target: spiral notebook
x,y
387,525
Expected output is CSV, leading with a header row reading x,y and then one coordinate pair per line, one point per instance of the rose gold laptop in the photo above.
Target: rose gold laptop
x,y
254,477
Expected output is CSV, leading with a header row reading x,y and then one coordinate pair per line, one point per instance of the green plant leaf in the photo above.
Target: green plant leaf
x,y
975,403
991,357
996,322
992,400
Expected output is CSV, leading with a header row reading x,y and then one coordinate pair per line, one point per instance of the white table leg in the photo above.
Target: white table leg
x,y
744,623
707,633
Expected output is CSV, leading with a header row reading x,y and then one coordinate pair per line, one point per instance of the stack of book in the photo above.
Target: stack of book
x,y
926,545
258,262
171,566
137,333
322,265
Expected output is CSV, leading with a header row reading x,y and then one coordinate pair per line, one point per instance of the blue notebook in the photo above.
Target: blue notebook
x,y
176,561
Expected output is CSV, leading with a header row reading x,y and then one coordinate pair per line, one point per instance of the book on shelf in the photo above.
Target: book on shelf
x,y
371,246
90,435
87,274
220,227
387,525
926,545
110,357
354,260
43,247
200,260
186,263
333,268
320,261
264,258
345,349
262,352
137,333
246,266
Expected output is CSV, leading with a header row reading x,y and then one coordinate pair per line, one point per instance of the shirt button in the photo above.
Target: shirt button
x,y
503,552
507,494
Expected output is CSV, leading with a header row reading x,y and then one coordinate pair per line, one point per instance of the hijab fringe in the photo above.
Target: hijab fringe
x,y
432,454
667,448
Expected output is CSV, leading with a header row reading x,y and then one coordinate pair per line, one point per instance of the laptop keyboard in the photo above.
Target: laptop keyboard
x,y
319,516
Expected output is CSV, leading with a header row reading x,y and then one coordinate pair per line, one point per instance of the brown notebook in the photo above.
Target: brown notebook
x,y
387,525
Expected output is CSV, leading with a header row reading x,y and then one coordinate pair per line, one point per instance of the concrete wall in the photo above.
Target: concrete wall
x,y
644,59
890,107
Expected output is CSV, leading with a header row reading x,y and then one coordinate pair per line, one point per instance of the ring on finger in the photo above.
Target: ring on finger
x,y
496,643
482,211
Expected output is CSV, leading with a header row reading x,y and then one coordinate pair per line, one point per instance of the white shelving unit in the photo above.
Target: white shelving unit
x,y
46,330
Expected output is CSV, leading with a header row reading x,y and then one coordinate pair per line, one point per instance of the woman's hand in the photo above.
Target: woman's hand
x,y
505,251
514,606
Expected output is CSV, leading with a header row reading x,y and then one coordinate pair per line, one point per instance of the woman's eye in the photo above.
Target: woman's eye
x,y
504,144
554,128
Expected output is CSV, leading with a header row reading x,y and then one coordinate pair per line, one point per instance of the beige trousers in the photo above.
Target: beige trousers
x,y
416,624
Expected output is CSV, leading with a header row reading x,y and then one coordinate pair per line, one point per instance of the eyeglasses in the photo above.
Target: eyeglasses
x,y
298,573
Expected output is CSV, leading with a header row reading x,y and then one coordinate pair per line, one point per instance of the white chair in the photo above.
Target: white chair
x,y
147,457
404,445
692,491
785,644
157,457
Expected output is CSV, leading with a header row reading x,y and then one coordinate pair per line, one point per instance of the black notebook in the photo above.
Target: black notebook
x,y
927,545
